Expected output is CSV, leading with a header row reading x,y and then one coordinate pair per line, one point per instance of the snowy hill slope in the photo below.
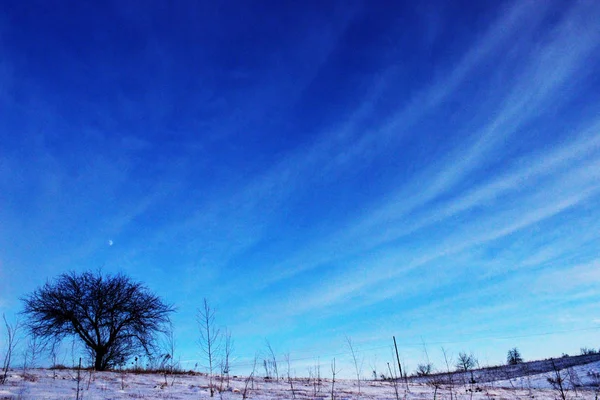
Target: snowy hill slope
x,y
581,381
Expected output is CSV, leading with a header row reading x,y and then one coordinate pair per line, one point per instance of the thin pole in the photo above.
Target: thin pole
x,y
397,356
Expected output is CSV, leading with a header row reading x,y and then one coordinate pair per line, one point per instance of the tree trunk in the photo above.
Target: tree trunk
x,y
99,360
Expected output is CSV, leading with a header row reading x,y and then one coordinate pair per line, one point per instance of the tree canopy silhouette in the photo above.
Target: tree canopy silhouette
x,y
114,317
514,357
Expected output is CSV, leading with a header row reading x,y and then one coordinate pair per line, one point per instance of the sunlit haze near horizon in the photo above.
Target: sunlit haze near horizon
x,y
316,170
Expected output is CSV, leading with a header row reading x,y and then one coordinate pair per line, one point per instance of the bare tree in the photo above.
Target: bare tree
x,y
54,348
514,357
424,369
557,380
465,362
394,379
227,350
273,360
12,339
587,351
318,369
111,315
210,338
450,375
357,365
267,367
436,382
334,372
314,375
169,365
250,378
33,348
289,376
427,368
374,368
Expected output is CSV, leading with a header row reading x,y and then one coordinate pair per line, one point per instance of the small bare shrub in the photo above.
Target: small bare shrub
x,y
11,343
586,351
424,369
557,380
249,379
357,365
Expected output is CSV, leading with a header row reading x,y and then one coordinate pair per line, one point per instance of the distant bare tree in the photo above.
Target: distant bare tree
x,y
394,379
585,351
227,350
450,375
424,369
250,378
465,362
169,363
318,369
267,367
373,366
210,338
358,365
334,372
53,350
514,357
273,360
289,376
12,339
33,348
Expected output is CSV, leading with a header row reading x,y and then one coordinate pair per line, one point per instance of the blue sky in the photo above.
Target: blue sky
x,y
315,170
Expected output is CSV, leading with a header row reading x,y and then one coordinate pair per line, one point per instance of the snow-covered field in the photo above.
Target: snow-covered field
x,y
62,384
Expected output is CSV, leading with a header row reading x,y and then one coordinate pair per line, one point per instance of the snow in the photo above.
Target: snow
x,y
42,384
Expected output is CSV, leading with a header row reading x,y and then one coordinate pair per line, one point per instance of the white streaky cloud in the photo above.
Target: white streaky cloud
x,y
527,173
366,275
535,209
576,278
295,171
412,315
283,177
548,70
485,283
244,208
519,17
564,245
568,164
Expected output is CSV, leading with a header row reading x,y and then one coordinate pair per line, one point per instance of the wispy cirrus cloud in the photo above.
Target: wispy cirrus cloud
x,y
566,171
539,84
296,170
363,276
547,70
242,213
